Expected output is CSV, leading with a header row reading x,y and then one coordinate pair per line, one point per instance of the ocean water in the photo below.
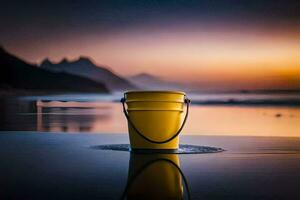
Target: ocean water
x,y
47,150
210,114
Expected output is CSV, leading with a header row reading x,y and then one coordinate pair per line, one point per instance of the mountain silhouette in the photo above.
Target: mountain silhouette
x,y
17,74
84,67
151,82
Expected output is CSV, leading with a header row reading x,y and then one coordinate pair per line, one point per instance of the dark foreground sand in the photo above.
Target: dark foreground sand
x,y
63,166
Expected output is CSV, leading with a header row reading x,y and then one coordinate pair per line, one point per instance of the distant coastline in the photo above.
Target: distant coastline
x,y
30,92
270,91
262,91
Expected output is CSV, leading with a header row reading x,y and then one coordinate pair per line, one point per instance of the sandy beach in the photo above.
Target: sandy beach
x,y
39,165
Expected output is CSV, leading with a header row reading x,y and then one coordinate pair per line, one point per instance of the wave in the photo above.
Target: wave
x,y
266,102
197,99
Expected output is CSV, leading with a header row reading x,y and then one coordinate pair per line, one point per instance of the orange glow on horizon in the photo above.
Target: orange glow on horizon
x,y
215,56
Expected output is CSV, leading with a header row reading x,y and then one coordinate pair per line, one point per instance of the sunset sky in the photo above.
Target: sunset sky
x,y
250,44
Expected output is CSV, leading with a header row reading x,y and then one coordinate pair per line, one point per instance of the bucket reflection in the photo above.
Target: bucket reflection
x,y
155,176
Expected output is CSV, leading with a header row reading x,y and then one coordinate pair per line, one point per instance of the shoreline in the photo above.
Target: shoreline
x,y
27,92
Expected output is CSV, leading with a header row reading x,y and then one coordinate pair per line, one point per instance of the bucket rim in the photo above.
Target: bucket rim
x,y
155,91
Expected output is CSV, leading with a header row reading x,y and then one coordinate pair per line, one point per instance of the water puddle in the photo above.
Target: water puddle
x,y
183,149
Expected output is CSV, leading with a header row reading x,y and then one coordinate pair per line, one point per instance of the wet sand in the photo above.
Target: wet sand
x,y
38,165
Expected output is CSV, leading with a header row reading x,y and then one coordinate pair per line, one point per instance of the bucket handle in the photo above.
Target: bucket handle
x,y
186,101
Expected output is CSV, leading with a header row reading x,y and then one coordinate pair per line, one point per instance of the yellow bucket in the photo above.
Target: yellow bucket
x,y
155,118
155,176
